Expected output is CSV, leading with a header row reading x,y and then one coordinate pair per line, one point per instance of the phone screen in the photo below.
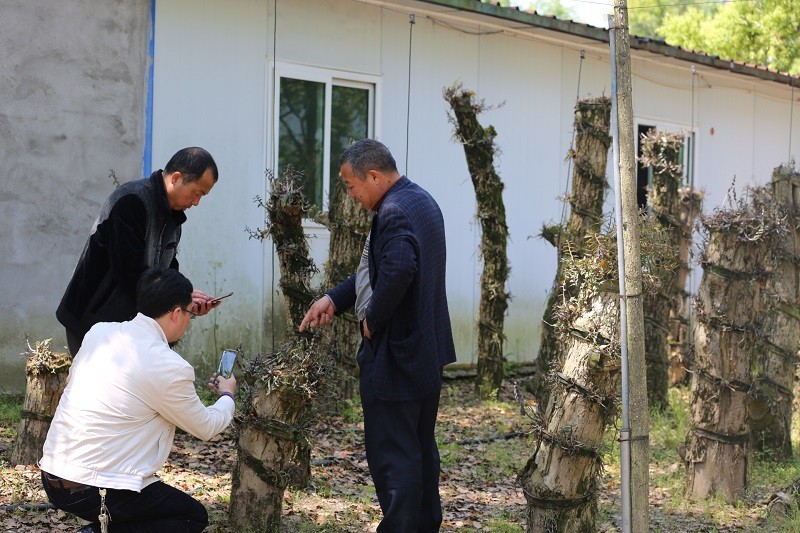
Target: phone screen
x,y
226,363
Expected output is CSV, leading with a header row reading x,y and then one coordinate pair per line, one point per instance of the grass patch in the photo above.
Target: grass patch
x,y
10,407
351,411
504,526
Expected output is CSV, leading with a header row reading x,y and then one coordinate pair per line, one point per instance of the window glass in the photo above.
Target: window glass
x,y
349,122
301,130
319,112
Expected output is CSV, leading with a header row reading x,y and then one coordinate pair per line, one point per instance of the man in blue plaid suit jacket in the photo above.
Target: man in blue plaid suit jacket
x,y
407,334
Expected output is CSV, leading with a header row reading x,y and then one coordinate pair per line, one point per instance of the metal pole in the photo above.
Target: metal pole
x,y
625,432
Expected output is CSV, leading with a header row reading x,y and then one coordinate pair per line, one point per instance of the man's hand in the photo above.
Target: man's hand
x,y
200,303
221,384
365,328
319,314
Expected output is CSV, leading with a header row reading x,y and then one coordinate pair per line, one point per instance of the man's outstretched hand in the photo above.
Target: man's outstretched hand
x,y
202,303
319,314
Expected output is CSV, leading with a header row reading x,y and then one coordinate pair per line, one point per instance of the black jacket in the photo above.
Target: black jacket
x,y
136,229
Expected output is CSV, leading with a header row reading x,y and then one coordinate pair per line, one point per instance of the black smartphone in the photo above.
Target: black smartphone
x,y
218,298
226,363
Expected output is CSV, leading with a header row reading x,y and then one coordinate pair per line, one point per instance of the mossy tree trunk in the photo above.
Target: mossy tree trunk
x,y
47,374
479,148
690,207
770,413
274,421
279,387
589,161
674,208
729,322
286,209
560,479
349,225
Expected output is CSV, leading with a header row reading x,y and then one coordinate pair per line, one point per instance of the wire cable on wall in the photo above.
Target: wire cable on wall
x,y
688,311
572,143
791,120
274,141
411,22
691,130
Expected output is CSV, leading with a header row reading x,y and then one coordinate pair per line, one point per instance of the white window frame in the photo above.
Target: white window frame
x,y
329,77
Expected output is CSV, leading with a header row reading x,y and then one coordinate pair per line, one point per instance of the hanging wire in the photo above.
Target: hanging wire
x,y
791,120
676,4
691,130
411,21
572,142
272,136
688,312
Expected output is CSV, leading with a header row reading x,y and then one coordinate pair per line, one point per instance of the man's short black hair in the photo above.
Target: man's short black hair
x,y
192,162
160,290
366,155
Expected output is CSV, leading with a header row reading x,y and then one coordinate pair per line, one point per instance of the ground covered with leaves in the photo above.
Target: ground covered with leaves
x,y
482,446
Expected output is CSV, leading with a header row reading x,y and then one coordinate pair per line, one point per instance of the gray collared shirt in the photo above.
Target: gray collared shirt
x,y
363,287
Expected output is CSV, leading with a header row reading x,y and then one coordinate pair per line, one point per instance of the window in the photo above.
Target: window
x,y
319,112
644,175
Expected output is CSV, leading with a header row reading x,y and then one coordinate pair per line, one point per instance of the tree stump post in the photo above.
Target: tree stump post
x,y
729,322
46,377
589,186
674,208
691,202
272,445
479,148
279,388
560,479
770,413
349,225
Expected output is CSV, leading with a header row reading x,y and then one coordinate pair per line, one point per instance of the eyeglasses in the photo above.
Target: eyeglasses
x,y
192,313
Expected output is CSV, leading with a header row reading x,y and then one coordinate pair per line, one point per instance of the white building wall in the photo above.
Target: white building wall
x,y
74,106
214,88
210,90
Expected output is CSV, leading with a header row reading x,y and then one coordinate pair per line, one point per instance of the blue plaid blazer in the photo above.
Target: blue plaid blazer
x,y
412,339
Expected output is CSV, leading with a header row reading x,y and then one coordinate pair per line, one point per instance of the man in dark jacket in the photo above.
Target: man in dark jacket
x,y
407,334
139,227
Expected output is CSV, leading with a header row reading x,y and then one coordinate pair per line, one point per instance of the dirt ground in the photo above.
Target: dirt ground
x,y
482,447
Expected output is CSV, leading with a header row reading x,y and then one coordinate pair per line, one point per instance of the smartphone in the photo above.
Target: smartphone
x,y
226,363
218,298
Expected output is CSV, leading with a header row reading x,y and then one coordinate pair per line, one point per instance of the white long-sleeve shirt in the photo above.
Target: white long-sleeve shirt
x,y
126,392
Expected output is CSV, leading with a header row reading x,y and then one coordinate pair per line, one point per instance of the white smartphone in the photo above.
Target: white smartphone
x,y
226,363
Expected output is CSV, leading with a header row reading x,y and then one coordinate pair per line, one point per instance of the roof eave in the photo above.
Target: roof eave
x,y
594,33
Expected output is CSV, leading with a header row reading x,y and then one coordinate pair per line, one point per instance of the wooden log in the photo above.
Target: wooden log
x,y
730,318
480,148
47,374
589,185
770,411
349,225
272,448
674,208
560,479
279,388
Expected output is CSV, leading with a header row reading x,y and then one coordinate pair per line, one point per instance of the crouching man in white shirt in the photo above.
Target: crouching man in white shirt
x,y
114,426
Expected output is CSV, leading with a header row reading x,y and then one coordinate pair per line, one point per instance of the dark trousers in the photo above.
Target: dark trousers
x,y
157,508
403,457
